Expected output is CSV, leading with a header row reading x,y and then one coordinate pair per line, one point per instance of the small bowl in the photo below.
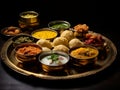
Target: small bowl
x,y
11,31
59,25
23,38
29,16
84,55
44,33
27,52
53,60
28,20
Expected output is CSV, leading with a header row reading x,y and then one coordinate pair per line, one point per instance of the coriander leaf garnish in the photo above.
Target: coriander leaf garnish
x,y
54,57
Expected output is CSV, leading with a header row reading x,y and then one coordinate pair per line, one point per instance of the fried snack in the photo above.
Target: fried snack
x,y
61,48
60,41
74,43
45,49
68,34
81,28
44,43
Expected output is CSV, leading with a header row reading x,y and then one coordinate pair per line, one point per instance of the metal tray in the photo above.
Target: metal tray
x,y
71,72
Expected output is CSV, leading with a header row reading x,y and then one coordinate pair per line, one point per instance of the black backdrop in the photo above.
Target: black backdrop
x,y
96,13
100,16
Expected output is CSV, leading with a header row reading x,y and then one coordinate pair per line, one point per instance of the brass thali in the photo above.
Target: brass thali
x,y
71,72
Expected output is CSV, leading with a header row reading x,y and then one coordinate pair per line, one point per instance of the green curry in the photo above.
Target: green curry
x,y
60,26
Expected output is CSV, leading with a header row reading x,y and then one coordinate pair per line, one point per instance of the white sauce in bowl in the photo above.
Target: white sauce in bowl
x,y
47,61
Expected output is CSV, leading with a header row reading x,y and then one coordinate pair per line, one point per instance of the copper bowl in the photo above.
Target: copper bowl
x,y
28,19
27,52
11,31
29,16
84,55
50,65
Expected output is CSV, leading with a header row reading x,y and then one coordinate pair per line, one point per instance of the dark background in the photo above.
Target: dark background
x,y
95,13
100,16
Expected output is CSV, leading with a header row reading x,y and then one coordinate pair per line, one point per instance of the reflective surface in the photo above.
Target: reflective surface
x,y
70,72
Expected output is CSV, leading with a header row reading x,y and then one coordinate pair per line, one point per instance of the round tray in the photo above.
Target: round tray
x,y
71,72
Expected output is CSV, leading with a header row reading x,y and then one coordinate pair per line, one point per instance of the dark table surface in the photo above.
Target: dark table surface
x,y
97,15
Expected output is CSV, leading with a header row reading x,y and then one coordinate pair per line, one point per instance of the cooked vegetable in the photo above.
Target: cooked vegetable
x,y
11,30
23,39
28,50
81,28
84,53
94,39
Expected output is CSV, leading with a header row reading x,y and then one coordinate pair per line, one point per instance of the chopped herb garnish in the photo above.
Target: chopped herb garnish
x,y
54,57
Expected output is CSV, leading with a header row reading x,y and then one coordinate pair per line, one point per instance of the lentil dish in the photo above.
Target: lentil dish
x,y
44,34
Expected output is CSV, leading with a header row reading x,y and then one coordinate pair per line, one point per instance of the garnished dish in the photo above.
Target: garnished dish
x,y
49,54
53,60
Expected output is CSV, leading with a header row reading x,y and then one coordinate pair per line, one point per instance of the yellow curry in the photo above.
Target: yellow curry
x,y
44,34
84,53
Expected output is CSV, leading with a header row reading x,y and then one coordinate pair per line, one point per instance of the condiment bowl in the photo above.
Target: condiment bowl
x,y
23,38
53,60
44,33
27,52
59,25
84,55
28,19
10,31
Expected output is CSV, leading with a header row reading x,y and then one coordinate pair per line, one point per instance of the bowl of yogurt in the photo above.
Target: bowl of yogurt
x,y
53,60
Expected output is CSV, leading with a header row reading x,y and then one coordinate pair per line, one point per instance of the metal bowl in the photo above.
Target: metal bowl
x,y
28,19
29,16
27,52
23,38
84,55
44,33
59,25
48,63
11,31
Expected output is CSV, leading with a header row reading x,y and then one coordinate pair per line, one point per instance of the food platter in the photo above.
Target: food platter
x,y
70,72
